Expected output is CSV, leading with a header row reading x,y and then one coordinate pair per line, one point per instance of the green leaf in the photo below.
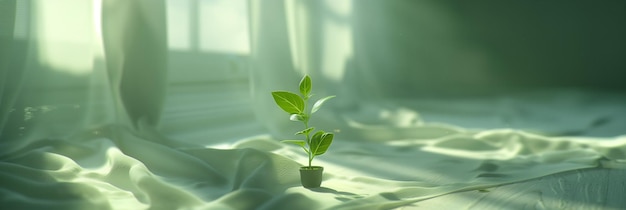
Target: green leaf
x,y
305,131
319,103
296,142
305,86
289,102
297,117
320,142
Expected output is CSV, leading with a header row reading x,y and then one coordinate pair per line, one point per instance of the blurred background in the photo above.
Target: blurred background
x,y
398,63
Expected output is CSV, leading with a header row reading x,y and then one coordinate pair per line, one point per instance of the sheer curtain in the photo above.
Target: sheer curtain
x,y
13,57
83,86
135,46
96,63
57,83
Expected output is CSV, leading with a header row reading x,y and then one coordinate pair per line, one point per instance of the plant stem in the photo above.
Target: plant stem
x,y
306,126
308,141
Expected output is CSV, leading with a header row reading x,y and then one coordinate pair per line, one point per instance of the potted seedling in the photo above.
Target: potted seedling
x,y
315,143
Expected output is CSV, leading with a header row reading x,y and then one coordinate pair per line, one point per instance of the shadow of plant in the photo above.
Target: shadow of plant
x,y
339,195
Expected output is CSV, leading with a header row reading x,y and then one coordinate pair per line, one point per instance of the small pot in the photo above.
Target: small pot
x,y
311,177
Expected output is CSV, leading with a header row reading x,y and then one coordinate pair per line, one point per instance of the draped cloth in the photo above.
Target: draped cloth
x,y
13,57
112,136
135,45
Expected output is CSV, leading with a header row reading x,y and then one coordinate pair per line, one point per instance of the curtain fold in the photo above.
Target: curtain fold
x,y
271,59
108,69
12,60
135,43
101,75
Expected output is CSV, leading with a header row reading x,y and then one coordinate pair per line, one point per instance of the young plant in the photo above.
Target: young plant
x,y
317,143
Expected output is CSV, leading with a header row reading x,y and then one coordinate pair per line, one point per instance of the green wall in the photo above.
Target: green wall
x,y
460,47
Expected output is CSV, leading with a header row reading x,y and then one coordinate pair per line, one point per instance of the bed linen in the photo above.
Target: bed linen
x,y
115,167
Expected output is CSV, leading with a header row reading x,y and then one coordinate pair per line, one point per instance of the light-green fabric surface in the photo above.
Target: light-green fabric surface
x,y
113,167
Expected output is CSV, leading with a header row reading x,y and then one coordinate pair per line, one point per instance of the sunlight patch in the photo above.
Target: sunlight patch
x,y
65,35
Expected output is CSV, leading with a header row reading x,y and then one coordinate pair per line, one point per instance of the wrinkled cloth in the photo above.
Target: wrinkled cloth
x,y
115,168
